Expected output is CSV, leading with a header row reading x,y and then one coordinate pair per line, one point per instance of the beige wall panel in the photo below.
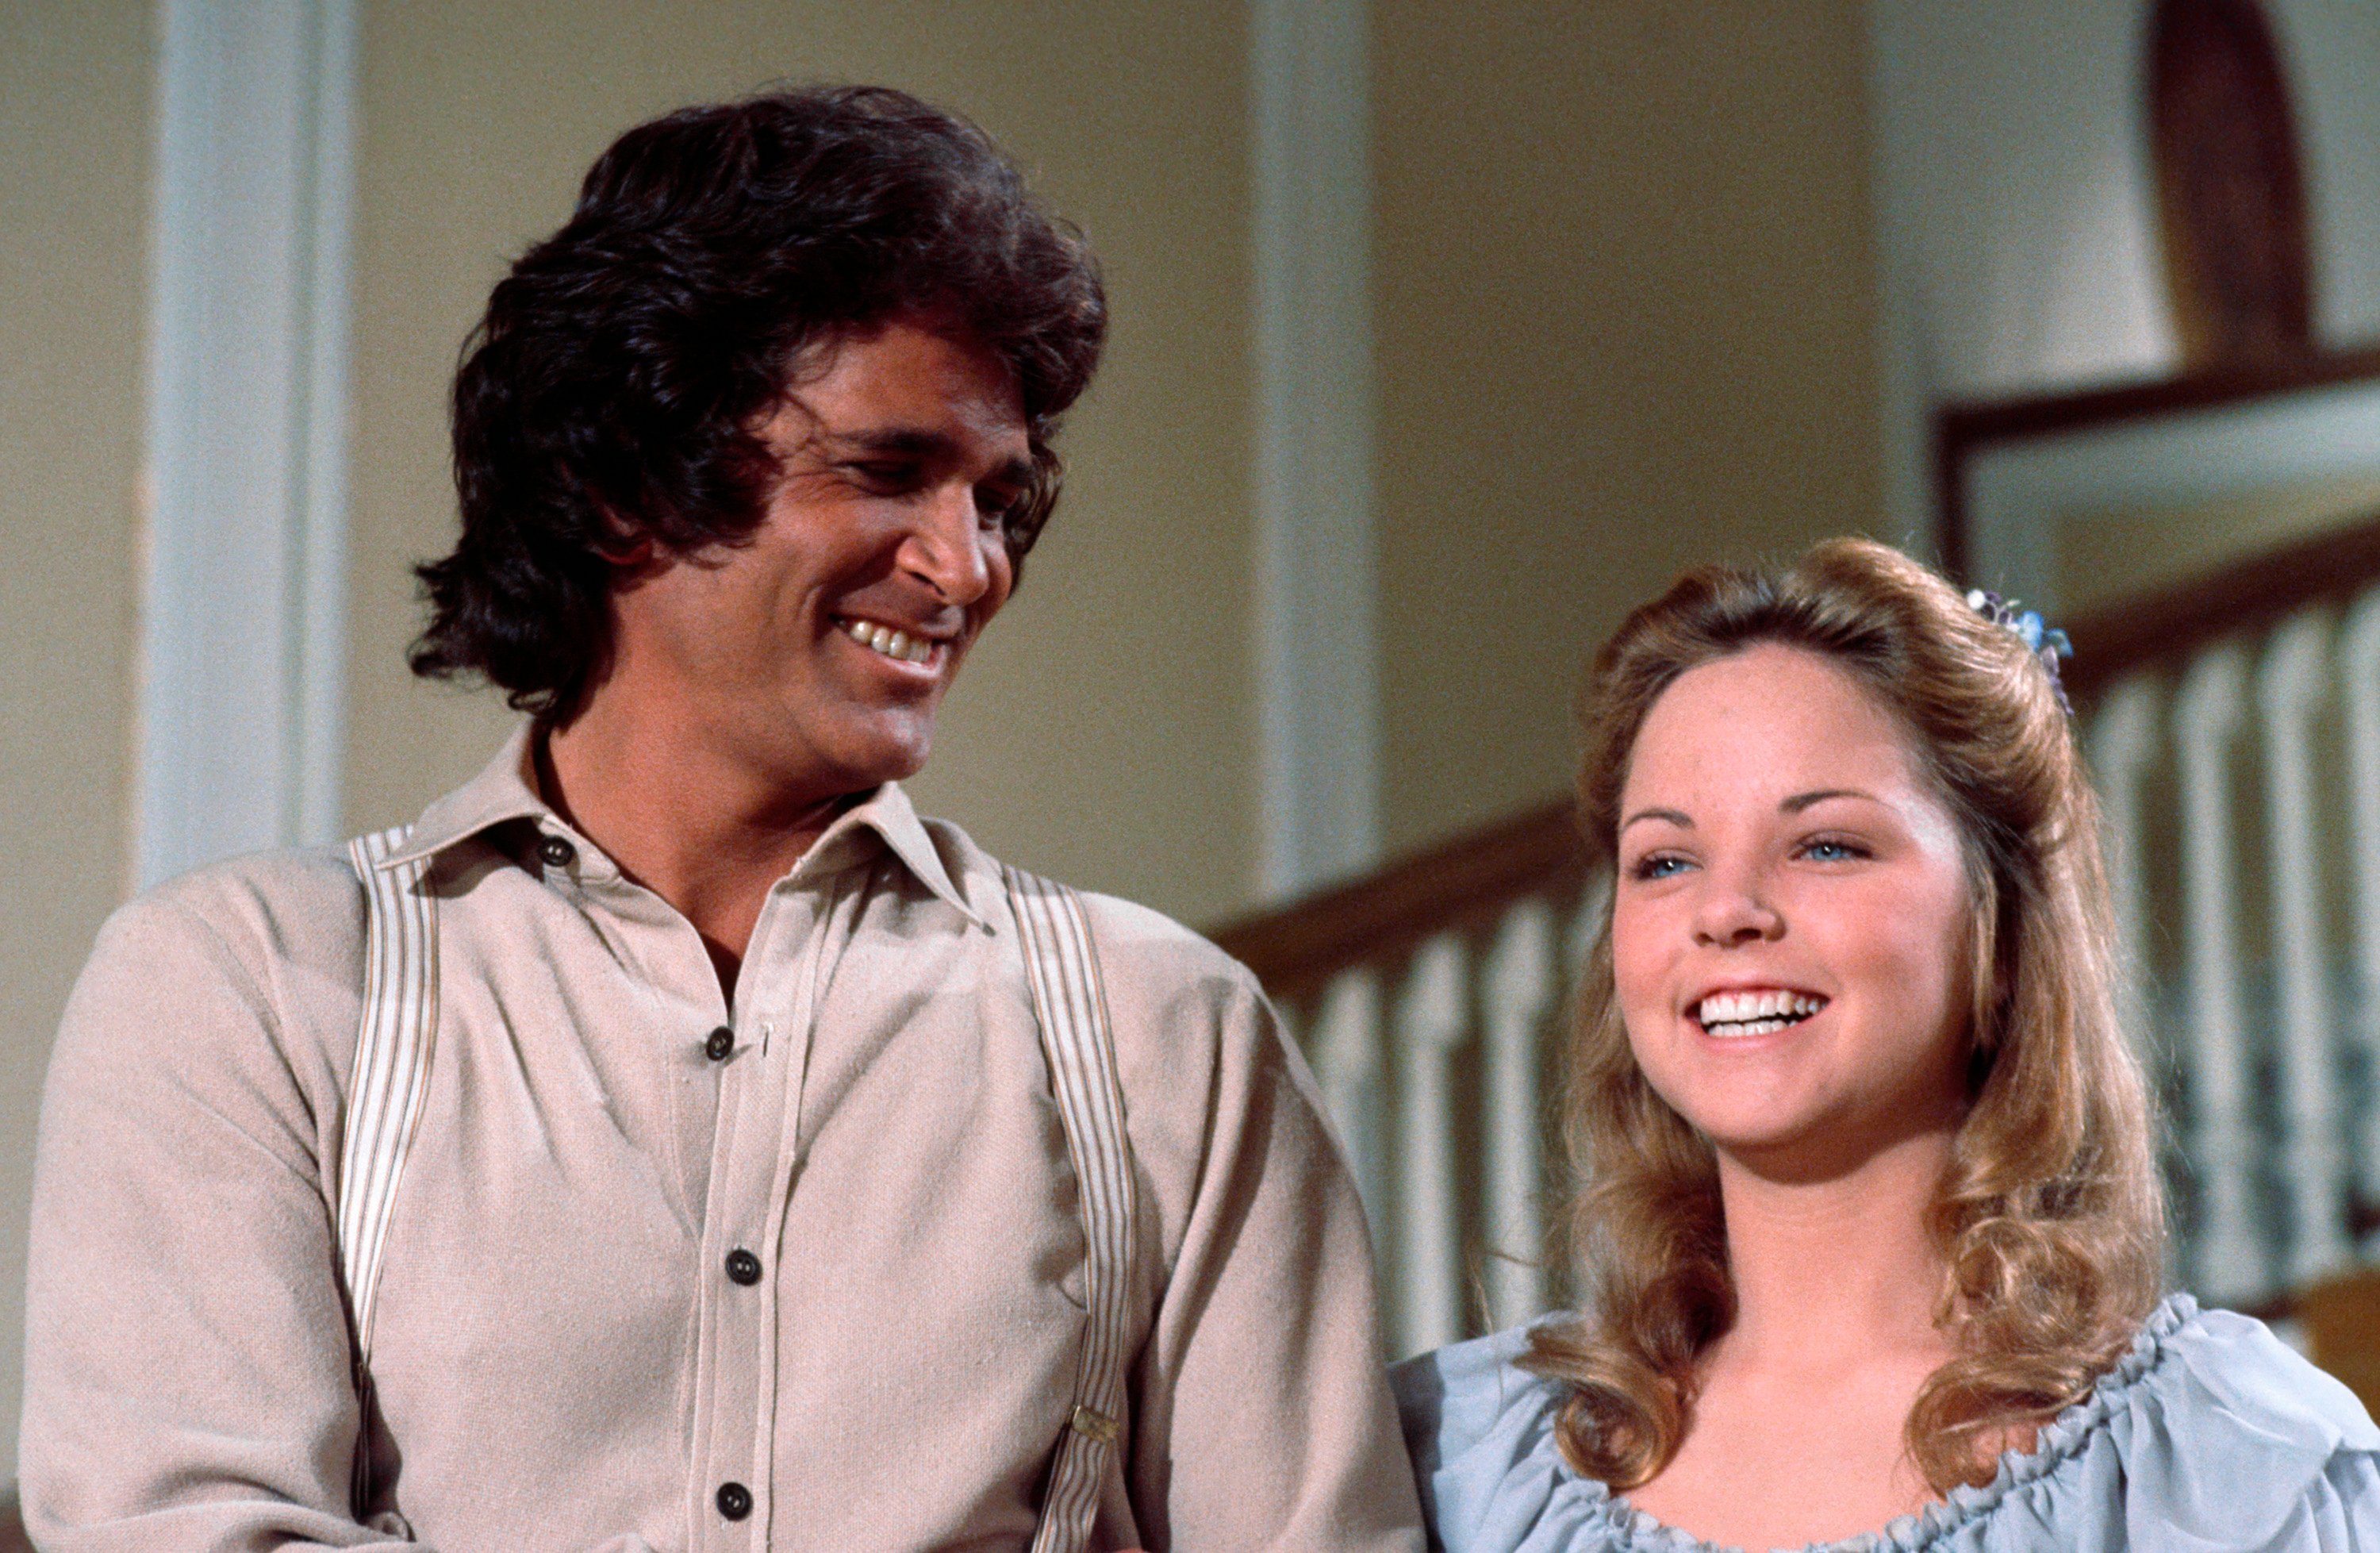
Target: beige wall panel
x,y
1625,323
1104,731
75,103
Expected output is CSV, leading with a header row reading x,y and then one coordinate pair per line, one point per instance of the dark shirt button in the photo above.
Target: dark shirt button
x,y
721,1042
735,1500
554,852
743,1267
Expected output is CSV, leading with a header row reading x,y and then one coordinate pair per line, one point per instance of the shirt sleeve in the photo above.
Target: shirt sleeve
x,y
1261,1414
186,1367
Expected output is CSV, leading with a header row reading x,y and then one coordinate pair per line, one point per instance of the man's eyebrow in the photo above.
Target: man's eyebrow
x,y
1800,801
1675,817
915,441
910,442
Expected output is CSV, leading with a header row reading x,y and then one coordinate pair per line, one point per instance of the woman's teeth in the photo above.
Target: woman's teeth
x,y
885,640
1755,1013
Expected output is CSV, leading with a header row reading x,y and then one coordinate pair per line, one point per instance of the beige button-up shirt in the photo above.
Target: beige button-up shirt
x,y
562,1360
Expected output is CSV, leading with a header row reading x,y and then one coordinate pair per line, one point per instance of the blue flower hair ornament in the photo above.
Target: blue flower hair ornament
x,y
2042,642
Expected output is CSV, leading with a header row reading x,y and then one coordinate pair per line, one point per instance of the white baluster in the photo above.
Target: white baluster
x,y
1351,1070
2230,1262
2123,741
1519,990
1432,1019
2291,692
1593,905
2358,673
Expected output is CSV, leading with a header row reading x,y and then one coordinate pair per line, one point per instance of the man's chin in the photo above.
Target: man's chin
x,y
871,762
819,759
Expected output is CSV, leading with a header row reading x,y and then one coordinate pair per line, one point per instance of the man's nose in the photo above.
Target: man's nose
x,y
946,550
1733,911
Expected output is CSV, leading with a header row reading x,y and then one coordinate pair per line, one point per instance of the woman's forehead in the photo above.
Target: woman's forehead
x,y
1767,722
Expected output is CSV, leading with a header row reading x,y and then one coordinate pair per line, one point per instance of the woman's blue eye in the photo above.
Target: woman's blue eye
x,y
1658,867
1830,851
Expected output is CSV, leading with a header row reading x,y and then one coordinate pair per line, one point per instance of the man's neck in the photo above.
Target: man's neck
x,y
706,832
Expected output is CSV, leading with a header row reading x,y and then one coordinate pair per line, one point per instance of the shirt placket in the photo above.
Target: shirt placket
x,y
751,1181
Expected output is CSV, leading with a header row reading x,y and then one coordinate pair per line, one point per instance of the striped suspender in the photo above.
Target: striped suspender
x,y
1063,970
391,1072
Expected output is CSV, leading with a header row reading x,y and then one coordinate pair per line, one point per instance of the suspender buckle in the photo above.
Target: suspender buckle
x,y
1096,1425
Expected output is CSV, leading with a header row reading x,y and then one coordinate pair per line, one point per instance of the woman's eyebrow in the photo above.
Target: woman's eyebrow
x,y
1674,816
1800,801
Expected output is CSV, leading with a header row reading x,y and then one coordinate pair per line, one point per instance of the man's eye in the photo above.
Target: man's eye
x,y
886,476
994,508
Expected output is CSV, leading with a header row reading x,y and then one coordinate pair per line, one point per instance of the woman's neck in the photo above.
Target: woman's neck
x,y
1796,1433
1826,1272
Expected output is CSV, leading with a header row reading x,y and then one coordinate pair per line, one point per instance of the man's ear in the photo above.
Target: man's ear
x,y
624,548
633,556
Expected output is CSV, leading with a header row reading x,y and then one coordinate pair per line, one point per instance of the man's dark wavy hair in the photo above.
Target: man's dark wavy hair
x,y
612,393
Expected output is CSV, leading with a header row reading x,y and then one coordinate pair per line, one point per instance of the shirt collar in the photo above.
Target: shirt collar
x,y
887,811
505,788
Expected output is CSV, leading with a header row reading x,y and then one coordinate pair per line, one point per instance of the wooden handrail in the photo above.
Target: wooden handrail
x,y
1961,431
1297,948
2171,623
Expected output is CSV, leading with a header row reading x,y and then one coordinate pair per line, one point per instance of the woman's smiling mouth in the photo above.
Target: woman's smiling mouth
x,y
1753,1011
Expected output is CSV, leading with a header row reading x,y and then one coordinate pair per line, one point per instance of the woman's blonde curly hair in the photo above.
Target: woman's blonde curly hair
x,y
2050,1216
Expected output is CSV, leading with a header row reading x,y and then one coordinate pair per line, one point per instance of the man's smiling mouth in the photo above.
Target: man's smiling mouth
x,y
889,640
1763,1012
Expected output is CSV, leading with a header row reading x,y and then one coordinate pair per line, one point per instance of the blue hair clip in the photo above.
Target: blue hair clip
x,y
2042,642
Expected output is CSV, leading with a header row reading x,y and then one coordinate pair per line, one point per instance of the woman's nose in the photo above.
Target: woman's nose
x,y
1734,911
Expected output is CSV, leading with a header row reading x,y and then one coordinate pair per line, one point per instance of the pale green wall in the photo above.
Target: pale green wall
x,y
1625,323
75,98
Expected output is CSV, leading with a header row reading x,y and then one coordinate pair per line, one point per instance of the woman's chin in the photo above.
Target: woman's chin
x,y
1751,1122
1807,1151
1761,1150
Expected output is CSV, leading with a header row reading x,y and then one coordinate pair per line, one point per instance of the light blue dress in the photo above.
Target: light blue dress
x,y
2210,1435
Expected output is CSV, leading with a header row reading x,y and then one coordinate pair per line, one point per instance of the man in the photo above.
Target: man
x,y
739,1207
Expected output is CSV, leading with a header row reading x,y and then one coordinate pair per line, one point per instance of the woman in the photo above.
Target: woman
x,y
1872,1223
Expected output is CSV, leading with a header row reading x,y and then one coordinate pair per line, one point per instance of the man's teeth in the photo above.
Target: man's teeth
x,y
1755,1013
891,644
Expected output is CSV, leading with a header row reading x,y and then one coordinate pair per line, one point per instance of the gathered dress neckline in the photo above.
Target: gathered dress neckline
x,y
2072,1430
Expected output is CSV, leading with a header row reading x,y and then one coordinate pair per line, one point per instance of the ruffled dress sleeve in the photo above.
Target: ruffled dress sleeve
x,y
1481,1433
2211,1434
